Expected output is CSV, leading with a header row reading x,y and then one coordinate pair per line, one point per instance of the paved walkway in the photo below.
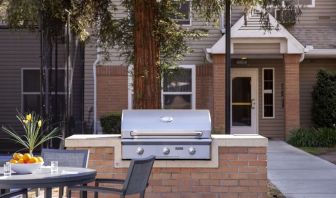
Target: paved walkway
x,y
298,174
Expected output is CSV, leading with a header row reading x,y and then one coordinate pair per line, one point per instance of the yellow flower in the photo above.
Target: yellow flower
x,y
39,123
29,117
25,121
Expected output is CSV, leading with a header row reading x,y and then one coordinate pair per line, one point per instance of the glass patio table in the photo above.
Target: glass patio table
x,y
43,178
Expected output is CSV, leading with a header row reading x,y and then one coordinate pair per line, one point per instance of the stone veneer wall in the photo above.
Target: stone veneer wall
x,y
241,173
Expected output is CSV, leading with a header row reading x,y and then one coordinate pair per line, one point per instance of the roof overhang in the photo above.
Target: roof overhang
x,y
241,34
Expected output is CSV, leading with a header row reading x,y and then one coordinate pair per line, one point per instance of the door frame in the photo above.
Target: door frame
x,y
251,72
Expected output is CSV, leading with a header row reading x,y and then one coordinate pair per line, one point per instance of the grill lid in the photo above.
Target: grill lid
x,y
191,122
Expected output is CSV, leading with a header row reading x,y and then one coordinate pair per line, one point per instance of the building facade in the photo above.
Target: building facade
x,y
273,73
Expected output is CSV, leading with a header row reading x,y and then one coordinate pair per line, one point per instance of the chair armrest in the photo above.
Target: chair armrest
x,y
95,189
116,181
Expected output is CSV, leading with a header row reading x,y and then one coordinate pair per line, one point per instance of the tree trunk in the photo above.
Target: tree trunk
x,y
147,80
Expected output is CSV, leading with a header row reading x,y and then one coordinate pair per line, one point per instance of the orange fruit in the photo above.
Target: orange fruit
x,y
13,161
21,161
17,156
26,157
40,159
33,160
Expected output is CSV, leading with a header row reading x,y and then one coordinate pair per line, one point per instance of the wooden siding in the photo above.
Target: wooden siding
x,y
316,26
90,57
18,49
323,10
256,48
270,127
308,70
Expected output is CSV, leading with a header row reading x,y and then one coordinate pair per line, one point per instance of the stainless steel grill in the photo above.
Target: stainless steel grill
x,y
167,134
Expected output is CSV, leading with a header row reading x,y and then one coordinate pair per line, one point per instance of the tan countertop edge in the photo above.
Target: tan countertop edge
x,y
80,141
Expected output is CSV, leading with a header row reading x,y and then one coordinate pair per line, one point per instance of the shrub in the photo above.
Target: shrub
x,y
324,100
311,137
111,123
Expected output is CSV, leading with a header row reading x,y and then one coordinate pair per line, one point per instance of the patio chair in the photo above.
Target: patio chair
x,y
9,194
136,181
66,158
6,193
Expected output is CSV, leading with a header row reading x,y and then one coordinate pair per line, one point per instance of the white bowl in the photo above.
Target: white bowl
x,y
26,168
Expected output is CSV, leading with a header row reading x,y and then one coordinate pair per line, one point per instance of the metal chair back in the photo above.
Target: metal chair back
x,y
66,158
138,175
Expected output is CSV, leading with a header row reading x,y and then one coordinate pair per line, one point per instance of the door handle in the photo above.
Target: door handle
x,y
253,103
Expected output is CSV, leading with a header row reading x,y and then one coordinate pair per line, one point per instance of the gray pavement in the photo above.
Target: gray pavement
x,y
298,174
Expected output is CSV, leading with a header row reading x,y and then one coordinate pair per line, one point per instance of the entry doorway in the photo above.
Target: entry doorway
x,y
244,101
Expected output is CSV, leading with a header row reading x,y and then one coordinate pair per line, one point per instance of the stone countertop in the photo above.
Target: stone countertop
x,y
95,141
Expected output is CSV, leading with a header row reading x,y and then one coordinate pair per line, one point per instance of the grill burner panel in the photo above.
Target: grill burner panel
x,y
167,134
165,149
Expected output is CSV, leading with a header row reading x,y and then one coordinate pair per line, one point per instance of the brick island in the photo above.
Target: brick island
x,y
238,167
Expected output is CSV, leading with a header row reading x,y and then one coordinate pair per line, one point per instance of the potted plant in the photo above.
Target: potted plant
x,y
30,140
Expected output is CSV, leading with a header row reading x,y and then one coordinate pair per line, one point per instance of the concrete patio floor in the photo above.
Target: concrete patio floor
x,y
298,174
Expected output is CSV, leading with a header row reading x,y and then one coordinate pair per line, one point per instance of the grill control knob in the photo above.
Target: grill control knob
x,y
166,150
140,151
192,150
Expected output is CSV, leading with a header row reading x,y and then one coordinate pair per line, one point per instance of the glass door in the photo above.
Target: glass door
x,y
244,101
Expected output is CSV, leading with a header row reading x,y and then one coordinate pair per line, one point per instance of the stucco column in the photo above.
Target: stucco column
x,y
218,104
292,92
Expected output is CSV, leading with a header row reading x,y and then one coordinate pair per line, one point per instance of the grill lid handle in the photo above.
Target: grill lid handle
x,y
194,133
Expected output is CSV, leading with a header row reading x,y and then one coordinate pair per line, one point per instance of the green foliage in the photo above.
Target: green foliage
x,y
324,100
311,137
111,123
98,19
33,136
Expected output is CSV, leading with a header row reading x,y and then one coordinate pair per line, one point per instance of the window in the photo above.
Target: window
x,y
268,92
184,17
178,88
31,99
306,3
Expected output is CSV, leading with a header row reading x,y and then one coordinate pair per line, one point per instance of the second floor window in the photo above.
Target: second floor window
x,y
306,3
184,16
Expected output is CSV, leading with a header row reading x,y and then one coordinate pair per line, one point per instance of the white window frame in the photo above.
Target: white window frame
x,y
33,93
312,5
263,92
193,87
190,15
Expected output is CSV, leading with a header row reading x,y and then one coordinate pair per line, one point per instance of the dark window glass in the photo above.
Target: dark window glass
x,y
242,87
31,81
31,103
268,74
241,115
179,80
268,99
241,101
31,88
268,85
177,101
268,111
268,102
